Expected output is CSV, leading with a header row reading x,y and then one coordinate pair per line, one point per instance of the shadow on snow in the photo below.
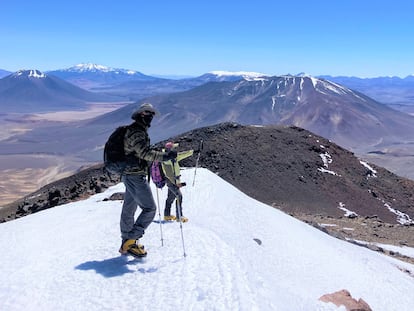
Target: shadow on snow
x,y
113,267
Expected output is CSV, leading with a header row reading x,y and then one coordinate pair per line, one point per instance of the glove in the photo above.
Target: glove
x,y
170,155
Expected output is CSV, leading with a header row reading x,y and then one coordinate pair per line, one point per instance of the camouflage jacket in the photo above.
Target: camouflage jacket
x,y
138,150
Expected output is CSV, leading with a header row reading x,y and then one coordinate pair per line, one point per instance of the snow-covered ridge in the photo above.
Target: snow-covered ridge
x,y
90,67
281,264
30,73
244,74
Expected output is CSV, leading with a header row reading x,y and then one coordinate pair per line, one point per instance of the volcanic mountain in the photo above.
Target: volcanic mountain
x,y
89,76
33,91
347,117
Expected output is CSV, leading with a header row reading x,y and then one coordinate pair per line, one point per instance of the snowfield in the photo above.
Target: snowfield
x,y
241,255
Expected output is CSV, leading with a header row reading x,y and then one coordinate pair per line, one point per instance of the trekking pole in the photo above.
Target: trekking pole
x,y
159,217
198,158
178,207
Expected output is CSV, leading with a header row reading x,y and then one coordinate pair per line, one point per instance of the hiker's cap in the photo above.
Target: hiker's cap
x,y
145,107
170,145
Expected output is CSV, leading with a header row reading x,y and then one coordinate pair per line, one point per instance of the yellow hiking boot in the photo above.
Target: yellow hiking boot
x,y
183,219
132,247
170,218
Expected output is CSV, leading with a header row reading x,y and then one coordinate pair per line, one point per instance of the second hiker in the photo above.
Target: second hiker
x,y
171,170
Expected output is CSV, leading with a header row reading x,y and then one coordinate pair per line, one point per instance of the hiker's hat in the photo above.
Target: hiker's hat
x,y
170,145
145,107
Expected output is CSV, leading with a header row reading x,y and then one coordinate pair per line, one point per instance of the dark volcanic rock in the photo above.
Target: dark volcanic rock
x,y
76,187
283,167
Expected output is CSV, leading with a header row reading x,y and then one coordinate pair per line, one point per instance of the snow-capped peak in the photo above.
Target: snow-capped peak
x,y
244,74
90,67
30,73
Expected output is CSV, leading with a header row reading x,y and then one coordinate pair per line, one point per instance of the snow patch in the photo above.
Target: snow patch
x,y
402,218
336,88
372,172
302,81
36,74
314,82
324,170
273,102
30,73
326,159
348,213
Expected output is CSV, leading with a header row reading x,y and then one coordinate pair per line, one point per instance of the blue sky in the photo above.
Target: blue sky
x,y
353,38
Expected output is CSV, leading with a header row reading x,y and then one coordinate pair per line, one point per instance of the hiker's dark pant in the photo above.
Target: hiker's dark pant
x,y
173,193
137,193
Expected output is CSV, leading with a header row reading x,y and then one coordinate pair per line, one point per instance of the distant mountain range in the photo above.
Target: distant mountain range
x,y
107,76
347,117
133,85
87,74
32,91
130,85
366,82
393,91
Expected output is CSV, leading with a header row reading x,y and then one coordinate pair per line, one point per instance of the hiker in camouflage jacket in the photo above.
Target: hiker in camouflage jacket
x,y
137,191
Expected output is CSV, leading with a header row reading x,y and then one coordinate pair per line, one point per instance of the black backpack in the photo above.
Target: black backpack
x,y
114,154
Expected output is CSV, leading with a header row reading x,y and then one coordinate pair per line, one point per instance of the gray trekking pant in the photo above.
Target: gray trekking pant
x,y
137,193
174,193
